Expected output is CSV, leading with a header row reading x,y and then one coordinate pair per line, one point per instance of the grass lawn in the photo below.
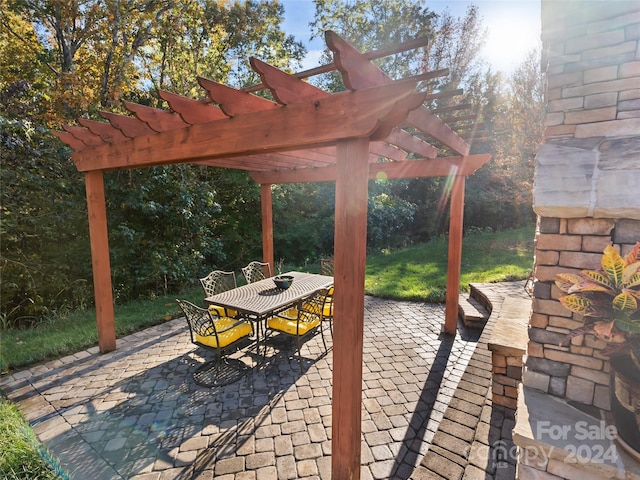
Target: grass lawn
x,y
420,273
21,456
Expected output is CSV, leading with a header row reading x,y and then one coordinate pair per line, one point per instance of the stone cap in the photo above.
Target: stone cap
x,y
510,336
556,433
588,177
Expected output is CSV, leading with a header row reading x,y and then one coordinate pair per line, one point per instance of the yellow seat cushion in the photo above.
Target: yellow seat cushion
x,y
291,313
288,325
226,338
327,310
222,311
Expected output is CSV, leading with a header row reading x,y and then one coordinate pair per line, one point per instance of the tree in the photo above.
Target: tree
x,y
63,59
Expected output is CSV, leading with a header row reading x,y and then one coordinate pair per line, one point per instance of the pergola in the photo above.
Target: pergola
x,y
376,128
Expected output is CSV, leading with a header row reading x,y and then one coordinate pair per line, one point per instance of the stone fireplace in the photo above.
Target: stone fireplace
x,y
586,196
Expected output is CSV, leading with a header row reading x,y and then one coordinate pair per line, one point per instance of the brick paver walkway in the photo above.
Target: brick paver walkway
x,y
137,414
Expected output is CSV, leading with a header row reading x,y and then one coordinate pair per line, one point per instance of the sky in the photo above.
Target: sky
x,y
514,28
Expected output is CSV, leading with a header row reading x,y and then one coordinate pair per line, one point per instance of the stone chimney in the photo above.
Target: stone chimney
x,y
586,196
587,180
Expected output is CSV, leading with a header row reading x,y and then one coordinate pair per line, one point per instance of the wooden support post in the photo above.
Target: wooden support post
x,y
350,243
266,203
99,238
456,212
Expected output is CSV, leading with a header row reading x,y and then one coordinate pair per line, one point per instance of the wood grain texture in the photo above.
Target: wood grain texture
x,y
454,255
101,266
266,205
157,119
343,115
350,240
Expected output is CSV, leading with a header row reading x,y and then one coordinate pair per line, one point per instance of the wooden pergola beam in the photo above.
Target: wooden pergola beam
x,y
343,115
70,140
372,55
358,72
84,135
192,111
437,167
101,266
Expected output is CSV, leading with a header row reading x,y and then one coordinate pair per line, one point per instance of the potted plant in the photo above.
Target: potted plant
x,y
608,299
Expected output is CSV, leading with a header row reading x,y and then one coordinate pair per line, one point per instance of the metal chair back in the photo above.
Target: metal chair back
x,y
326,266
218,281
256,271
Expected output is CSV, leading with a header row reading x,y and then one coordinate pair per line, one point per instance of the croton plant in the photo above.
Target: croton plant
x,y
609,301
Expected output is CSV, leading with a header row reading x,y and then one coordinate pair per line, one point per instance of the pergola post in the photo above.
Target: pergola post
x,y
350,240
456,212
266,203
99,239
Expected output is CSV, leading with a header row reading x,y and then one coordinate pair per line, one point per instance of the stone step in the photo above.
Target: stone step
x,y
472,312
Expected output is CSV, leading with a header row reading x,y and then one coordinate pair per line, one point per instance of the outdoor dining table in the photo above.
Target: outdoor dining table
x,y
262,299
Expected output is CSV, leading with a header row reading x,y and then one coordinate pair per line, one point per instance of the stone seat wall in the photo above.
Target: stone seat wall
x,y
508,344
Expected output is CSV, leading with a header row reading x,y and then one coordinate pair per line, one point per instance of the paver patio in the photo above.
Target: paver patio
x,y
136,413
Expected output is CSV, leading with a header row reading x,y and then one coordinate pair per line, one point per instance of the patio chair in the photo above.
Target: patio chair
x,y
216,282
256,271
326,266
327,310
301,321
219,334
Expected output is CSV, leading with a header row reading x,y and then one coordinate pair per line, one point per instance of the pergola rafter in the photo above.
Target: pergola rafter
x,y
377,128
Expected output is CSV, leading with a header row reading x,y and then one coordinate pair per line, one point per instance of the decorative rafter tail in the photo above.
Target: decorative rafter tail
x,y
358,72
411,143
70,140
286,88
157,119
397,114
429,124
191,111
383,149
234,102
107,132
84,135
129,126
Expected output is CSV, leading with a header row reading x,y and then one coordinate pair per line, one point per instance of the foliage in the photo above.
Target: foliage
x,y
215,40
388,216
102,52
239,219
21,456
59,60
608,299
303,217
45,264
163,229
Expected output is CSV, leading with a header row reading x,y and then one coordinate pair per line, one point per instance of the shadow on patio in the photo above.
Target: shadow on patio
x,y
137,413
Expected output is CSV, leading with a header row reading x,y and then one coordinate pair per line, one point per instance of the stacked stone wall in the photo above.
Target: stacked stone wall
x,y
577,371
591,56
586,196
586,184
